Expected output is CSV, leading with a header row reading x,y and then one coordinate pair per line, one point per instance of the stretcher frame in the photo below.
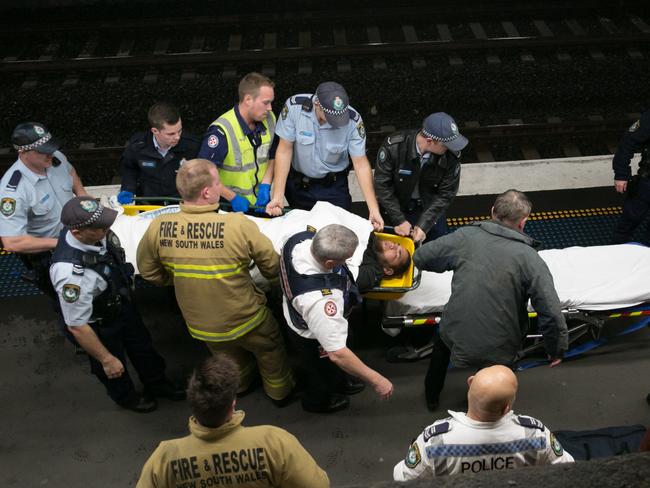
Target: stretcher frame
x,y
581,325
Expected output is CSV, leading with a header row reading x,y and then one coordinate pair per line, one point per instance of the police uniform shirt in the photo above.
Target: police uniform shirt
x,y
319,149
33,205
214,146
459,444
636,139
77,287
322,310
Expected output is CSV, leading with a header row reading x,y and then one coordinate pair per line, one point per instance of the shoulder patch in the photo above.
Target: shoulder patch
x,y
362,130
330,308
413,457
70,293
285,112
556,446
114,240
8,207
436,429
12,184
326,291
382,155
395,139
530,422
635,126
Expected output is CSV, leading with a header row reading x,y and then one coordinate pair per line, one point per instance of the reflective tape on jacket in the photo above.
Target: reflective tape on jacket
x,y
234,333
204,271
239,171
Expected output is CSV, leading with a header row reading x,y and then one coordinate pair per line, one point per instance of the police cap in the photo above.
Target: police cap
x,y
334,101
33,136
86,212
441,127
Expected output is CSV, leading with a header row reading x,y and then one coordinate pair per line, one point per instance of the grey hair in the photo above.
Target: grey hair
x,y
334,242
511,206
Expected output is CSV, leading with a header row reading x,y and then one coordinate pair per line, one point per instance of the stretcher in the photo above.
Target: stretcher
x,y
595,285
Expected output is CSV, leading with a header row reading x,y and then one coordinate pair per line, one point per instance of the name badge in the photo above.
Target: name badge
x,y
306,133
148,164
45,198
405,172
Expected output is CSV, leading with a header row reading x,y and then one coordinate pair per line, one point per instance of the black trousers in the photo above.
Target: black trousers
x,y
126,335
635,209
337,193
324,378
434,381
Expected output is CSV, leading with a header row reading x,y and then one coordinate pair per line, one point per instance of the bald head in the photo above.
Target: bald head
x,y
491,393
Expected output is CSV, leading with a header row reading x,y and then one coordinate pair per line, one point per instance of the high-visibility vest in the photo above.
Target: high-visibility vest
x,y
241,171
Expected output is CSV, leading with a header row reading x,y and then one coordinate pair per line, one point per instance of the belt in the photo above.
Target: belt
x,y
326,180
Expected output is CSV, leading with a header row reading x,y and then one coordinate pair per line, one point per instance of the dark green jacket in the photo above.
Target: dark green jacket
x,y
496,271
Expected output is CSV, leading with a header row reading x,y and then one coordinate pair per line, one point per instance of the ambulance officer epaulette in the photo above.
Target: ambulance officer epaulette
x,y
12,184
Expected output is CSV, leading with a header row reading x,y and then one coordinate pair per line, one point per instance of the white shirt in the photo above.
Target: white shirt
x,y
77,291
322,312
459,444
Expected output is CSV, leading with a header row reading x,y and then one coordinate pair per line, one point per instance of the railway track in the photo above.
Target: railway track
x,y
99,165
198,44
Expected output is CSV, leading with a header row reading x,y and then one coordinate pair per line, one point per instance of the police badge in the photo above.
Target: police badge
x,y
8,207
88,205
362,130
285,112
413,457
71,293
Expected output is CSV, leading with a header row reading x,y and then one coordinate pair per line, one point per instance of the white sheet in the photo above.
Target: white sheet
x,y
587,278
130,229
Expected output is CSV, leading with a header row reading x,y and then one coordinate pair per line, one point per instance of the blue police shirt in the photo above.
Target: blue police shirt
x,y
33,205
214,146
319,149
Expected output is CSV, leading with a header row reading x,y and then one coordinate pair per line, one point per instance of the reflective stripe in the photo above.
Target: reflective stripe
x,y
236,151
232,334
241,191
270,123
280,382
204,272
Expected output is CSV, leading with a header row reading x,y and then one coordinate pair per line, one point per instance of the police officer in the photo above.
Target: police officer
x,y
151,159
207,257
489,437
220,450
317,133
239,142
93,283
417,175
637,190
319,292
33,192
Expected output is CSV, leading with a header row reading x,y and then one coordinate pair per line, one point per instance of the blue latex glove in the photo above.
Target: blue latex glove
x,y
263,196
239,204
125,197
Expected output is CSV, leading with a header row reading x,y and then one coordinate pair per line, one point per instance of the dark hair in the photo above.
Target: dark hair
x,y
403,267
162,113
211,390
510,207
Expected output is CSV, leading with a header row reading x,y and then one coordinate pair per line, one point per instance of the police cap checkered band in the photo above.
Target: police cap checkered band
x,y
441,127
35,144
334,101
84,212
33,136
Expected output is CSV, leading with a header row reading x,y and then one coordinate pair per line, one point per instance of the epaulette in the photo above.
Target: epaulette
x,y
436,429
137,139
354,115
12,184
326,292
395,139
78,270
530,422
311,229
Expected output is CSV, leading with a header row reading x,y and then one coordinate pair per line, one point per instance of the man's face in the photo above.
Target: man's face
x,y
436,147
169,135
391,255
35,160
90,235
259,107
